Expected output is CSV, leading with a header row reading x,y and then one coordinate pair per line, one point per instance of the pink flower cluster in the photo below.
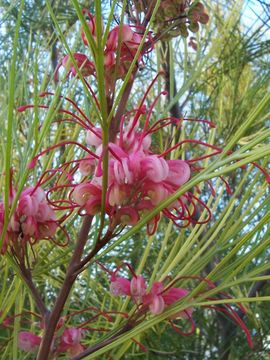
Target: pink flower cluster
x,y
120,49
139,179
67,339
156,298
68,342
32,220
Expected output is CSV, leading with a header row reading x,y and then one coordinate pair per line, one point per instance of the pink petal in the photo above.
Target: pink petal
x,y
155,169
179,172
137,286
28,341
120,286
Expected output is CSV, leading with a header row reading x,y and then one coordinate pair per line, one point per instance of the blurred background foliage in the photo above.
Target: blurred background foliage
x,y
222,81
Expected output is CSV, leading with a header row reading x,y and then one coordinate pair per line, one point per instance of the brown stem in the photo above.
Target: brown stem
x,y
99,245
258,285
114,126
27,276
148,13
165,56
52,320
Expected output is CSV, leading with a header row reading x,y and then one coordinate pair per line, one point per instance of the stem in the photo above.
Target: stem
x,y
114,125
99,245
70,278
27,276
169,77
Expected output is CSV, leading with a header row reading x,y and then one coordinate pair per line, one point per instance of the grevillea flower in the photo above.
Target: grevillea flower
x,y
189,15
32,220
119,51
87,166
88,196
67,339
156,298
85,66
70,341
120,286
28,341
137,287
139,177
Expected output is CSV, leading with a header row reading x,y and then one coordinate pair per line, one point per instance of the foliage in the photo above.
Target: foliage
x,y
218,73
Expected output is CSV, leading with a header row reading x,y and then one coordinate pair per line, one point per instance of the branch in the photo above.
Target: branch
x,y
52,320
165,56
114,126
258,285
27,276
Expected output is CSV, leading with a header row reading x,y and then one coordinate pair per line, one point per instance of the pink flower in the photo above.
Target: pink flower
x,y
137,287
156,192
173,295
120,286
154,299
139,178
94,136
70,340
179,172
88,197
155,169
113,37
45,213
128,216
87,166
28,341
28,205
118,194
47,229
156,305
85,66
86,193
109,59
32,220
30,227
157,299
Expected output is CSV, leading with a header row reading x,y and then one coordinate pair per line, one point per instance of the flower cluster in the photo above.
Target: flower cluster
x,y
120,48
178,16
156,298
139,176
69,342
32,220
139,179
67,339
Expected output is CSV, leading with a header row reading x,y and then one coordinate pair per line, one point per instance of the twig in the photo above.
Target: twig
x,y
258,285
114,127
26,274
52,319
165,56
